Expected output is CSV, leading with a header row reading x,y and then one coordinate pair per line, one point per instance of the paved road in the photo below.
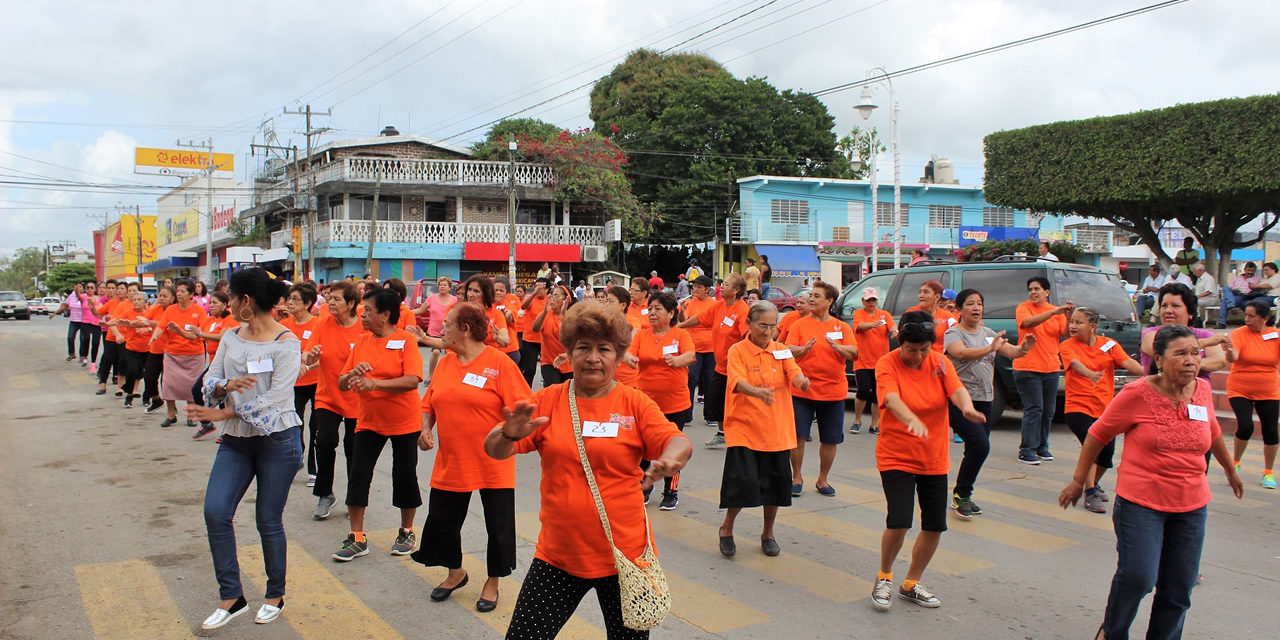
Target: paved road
x,y
103,523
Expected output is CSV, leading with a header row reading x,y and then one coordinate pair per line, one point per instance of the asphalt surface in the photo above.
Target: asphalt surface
x,y
103,522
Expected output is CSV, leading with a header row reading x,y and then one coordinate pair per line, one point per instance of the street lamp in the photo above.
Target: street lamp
x,y
865,106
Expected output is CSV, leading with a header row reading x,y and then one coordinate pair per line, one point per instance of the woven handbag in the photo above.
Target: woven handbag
x,y
646,598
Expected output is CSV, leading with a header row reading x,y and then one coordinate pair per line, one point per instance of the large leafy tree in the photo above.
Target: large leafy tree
x,y
17,273
63,277
1208,166
691,130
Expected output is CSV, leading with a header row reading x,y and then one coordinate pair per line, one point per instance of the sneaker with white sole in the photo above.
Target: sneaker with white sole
x,y
1028,458
963,506
351,549
311,480
220,617
716,441
268,613
1093,502
882,595
855,428
669,501
920,596
323,506
405,541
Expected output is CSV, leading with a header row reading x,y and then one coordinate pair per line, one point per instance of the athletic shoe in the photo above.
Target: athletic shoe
x,y
351,549
963,506
955,437
1237,467
93,368
974,508
206,428
156,403
1269,481
920,596
169,422
882,595
1045,455
311,480
1102,495
716,441
713,424
220,617
268,613
648,493
669,501
323,506
855,428
405,541
1028,458
128,402
1093,503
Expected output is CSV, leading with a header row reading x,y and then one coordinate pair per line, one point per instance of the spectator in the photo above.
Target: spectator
x,y
580,291
655,282
1146,294
682,287
1235,295
752,274
1045,256
766,276
948,300
1187,257
1176,275
917,256
752,297
693,271
545,271
1206,286
1267,288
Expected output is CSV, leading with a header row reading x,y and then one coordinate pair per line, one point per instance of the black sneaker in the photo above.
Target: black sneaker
x,y
962,505
156,403
169,422
875,431
669,501
128,402
648,493
206,428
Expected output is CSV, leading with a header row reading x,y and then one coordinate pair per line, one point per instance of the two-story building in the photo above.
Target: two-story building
x,y
438,212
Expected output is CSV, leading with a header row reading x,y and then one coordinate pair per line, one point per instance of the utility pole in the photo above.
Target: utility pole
x,y
373,222
137,221
511,212
311,184
208,229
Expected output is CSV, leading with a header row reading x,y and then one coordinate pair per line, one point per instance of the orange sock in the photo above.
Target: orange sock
x,y
359,535
1266,472
880,575
909,584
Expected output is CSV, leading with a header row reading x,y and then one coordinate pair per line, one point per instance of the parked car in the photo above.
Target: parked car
x,y
1003,287
37,307
781,299
51,304
14,305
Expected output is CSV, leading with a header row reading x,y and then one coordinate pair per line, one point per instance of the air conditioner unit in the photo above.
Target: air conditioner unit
x,y
594,253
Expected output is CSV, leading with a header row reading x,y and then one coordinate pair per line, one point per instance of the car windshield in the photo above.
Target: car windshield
x,y
1099,291
11,296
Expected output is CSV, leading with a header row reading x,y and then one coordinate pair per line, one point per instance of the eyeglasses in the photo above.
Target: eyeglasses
x,y
766,326
913,326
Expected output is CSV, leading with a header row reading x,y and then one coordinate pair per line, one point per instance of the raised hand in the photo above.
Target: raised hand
x,y
519,422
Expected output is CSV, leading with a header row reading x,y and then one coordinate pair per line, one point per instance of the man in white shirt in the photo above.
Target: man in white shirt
x,y
1207,293
1045,256
1146,297
1176,275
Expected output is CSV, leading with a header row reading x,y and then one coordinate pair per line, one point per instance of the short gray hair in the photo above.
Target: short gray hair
x,y
758,307
1199,266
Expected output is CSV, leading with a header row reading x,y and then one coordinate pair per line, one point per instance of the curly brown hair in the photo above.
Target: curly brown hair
x,y
595,322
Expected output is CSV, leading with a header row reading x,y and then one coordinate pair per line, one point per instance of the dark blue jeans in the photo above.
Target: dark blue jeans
x,y
700,372
1039,393
272,460
1156,550
977,445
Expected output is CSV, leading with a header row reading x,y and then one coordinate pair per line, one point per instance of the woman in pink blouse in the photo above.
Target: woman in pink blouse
x,y
1162,490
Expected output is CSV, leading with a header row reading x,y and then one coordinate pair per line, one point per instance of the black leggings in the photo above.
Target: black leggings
x,y
90,337
713,399
1079,424
111,360
442,531
132,365
325,423
977,445
404,469
552,375
302,394
671,484
549,596
151,376
1268,412
529,354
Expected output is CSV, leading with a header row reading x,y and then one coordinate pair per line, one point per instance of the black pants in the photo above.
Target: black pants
x,y
132,365
302,394
325,425
151,376
1268,411
713,400
700,373
552,375
515,357
671,484
111,352
404,469
442,531
1079,424
549,596
73,330
90,337
977,445
529,354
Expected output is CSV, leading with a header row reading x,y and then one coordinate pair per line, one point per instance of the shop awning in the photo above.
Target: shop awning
x,y
791,261
500,251
170,263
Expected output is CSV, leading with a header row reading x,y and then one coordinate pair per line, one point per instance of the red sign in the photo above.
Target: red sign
x,y
524,252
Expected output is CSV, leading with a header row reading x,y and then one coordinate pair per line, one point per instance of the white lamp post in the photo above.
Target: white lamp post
x,y
865,106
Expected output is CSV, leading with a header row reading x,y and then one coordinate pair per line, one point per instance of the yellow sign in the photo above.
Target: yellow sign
x,y
122,246
182,226
181,162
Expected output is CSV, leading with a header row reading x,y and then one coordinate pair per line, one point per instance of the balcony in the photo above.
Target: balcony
x,y
446,233
749,229
402,172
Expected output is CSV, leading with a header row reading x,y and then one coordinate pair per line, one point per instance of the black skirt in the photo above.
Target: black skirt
x,y
755,479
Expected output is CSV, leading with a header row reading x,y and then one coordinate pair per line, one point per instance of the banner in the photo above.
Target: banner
x,y
974,235
181,162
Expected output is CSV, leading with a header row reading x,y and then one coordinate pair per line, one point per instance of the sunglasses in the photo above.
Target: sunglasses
x,y
912,326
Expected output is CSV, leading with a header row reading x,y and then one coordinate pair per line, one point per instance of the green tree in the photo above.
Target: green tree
x,y
18,273
494,146
63,277
691,130
857,147
1209,166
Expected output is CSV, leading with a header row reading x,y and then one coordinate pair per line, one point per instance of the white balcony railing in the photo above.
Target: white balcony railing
x,y
446,233
416,171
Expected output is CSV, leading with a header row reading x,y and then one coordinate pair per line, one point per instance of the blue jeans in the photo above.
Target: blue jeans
x,y
764,290
700,372
273,460
1156,550
1144,302
1039,393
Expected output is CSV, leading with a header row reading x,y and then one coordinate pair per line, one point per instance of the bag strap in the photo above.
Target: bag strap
x,y
591,476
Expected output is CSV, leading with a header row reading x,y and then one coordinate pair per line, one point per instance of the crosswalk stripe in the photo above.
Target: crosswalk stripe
x,y
76,379
818,579
691,602
23,381
128,600
945,560
318,605
1054,485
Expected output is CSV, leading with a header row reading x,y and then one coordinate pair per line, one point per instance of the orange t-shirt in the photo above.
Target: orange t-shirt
x,y
638,316
667,385
524,323
942,320
134,340
1043,358
748,421
189,319
513,340
703,339
109,310
217,326
572,538
495,316
307,339
872,343
926,392
1083,396
155,313
336,343
385,412
728,325
551,345
822,365
785,323
471,398
1256,372
406,317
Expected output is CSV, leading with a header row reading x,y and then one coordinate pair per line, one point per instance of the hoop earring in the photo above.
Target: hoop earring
x,y
242,319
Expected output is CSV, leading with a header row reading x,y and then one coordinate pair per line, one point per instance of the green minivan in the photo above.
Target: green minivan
x,y
1003,287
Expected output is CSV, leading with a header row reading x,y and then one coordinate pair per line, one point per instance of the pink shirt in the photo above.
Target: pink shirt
x,y
1162,465
436,311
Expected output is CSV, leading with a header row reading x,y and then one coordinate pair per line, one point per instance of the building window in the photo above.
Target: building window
x,y
944,216
362,207
884,214
997,217
839,234
789,211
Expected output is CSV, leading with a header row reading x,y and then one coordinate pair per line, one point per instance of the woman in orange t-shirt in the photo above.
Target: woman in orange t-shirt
x,y
509,304
1254,384
478,289
728,322
334,407
125,329
915,384
759,427
619,299
154,365
473,384
930,300
620,426
302,323
216,323
703,368
384,369
553,357
638,310
661,354
1036,374
874,327
184,358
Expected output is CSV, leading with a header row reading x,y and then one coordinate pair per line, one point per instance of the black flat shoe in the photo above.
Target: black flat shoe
x,y
727,546
100,392
485,606
440,594
169,422
770,547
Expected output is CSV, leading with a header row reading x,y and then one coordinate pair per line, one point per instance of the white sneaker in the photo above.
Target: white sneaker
x,y
882,595
311,480
220,617
267,613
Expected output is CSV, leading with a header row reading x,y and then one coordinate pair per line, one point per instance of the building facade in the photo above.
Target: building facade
x,y
182,222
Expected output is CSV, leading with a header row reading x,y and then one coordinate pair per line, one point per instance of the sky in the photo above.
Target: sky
x,y
84,83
